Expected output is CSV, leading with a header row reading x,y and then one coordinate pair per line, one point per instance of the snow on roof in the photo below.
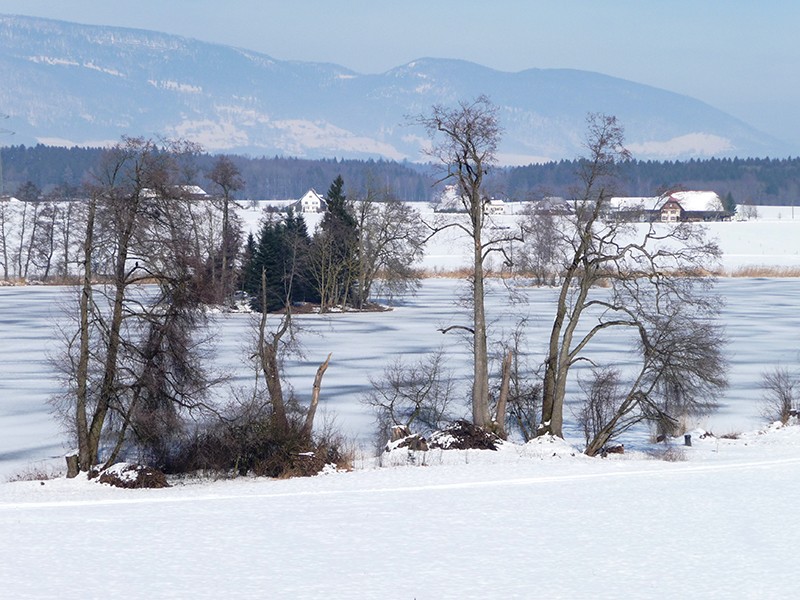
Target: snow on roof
x,y
691,201
636,203
193,190
698,201
312,194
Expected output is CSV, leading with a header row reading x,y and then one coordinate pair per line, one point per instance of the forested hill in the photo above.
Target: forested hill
x,y
750,180
265,178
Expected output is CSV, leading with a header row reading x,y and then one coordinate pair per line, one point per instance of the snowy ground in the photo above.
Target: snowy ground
x,y
770,239
718,520
519,523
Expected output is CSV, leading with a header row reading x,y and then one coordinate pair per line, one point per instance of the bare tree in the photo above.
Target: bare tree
x,y
780,394
28,221
646,278
69,211
417,394
542,253
133,355
226,176
601,402
524,388
271,348
465,144
6,219
43,241
682,373
391,236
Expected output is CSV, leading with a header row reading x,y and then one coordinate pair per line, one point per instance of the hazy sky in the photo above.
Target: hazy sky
x,y
741,56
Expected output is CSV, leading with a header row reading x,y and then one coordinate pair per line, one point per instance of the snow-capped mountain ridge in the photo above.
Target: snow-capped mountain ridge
x,y
71,84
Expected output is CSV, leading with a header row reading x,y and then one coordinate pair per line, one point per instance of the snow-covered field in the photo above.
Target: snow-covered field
x,y
771,239
721,524
718,520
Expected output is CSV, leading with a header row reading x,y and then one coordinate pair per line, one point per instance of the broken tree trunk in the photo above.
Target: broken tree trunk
x,y
308,426
500,417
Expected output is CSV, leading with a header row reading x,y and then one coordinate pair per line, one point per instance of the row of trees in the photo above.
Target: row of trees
x,y
770,181
372,241
649,280
264,178
134,360
36,234
149,254
747,180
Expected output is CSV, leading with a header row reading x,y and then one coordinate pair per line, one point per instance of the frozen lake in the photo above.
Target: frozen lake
x,y
761,316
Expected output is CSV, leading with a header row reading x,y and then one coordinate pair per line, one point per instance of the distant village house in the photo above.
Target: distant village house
x,y
496,207
675,208
311,202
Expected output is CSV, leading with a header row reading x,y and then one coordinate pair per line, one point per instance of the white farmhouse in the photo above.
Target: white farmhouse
x,y
311,202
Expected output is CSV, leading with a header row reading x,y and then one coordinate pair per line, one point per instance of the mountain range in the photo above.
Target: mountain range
x,y
69,84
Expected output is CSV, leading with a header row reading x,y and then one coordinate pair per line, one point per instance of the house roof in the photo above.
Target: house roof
x,y
698,201
312,195
689,201
636,203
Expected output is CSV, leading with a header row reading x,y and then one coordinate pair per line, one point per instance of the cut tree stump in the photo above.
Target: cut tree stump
x,y
72,466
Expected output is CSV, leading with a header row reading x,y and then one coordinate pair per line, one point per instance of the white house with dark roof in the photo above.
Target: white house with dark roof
x,y
694,206
676,207
311,202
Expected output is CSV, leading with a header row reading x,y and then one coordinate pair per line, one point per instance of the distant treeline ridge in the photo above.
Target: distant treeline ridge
x,y
748,180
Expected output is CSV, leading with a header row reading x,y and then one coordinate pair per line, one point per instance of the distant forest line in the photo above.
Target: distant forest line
x,y
758,181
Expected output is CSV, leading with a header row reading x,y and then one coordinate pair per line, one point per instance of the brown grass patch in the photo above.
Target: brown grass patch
x,y
764,271
36,473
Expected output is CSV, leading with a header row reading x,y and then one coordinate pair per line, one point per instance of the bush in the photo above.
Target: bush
x,y
246,441
779,394
418,394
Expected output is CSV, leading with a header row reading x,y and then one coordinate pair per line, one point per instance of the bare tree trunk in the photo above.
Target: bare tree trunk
x,y
268,352
480,382
72,466
225,291
308,426
20,247
505,380
31,240
85,457
114,340
4,237
66,224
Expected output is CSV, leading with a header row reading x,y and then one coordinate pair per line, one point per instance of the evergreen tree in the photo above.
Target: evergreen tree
x,y
338,213
336,249
281,254
297,245
728,203
266,259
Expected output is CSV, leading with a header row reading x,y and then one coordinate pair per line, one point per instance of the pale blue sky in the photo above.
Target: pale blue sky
x,y
740,56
